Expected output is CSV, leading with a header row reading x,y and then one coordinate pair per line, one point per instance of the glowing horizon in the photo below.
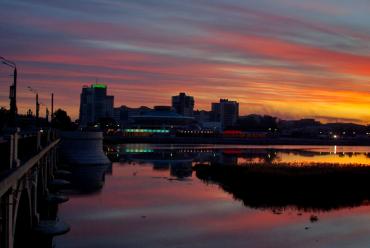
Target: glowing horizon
x,y
286,58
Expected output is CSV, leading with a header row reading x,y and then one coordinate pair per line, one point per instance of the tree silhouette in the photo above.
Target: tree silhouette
x,y
62,121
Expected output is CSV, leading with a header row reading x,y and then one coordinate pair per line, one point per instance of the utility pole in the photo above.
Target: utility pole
x,y
12,92
37,109
13,99
47,114
52,107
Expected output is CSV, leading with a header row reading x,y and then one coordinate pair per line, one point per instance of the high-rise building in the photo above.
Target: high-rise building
x,y
226,112
95,104
215,112
183,104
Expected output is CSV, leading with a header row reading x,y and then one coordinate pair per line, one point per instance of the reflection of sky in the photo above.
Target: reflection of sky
x,y
363,149
314,53
139,208
251,154
341,158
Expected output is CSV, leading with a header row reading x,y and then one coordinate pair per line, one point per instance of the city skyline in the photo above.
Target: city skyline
x,y
306,59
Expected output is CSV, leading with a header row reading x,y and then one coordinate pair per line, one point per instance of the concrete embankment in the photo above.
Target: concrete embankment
x,y
82,154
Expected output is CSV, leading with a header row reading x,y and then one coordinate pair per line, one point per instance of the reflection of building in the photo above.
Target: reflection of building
x,y
181,169
179,163
228,159
95,104
183,104
226,112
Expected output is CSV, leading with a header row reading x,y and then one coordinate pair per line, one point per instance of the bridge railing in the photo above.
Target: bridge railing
x,y
16,174
27,162
18,148
4,154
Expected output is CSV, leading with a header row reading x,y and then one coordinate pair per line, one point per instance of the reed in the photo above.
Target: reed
x,y
308,187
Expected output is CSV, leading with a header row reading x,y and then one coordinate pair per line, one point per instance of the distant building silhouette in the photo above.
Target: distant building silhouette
x,y
215,112
202,115
123,115
95,104
183,104
226,112
162,117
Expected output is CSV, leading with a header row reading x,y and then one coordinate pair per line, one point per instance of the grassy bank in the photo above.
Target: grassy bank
x,y
317,187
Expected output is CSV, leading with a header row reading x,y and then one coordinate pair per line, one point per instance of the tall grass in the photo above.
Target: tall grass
x,y
312,187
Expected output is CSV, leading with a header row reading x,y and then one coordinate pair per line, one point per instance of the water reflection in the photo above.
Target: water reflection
x,y
88,179
187,196
238,155
276,177
69,180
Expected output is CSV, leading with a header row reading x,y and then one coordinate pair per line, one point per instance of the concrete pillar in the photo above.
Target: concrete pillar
x,y
11,153
9,227
38,144
14,161
48,166
48,136
55,158
35,214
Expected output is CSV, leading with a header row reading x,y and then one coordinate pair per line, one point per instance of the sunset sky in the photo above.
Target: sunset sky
x,y
287,58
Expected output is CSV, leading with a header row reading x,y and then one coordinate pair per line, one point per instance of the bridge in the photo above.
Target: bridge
x,y
28,190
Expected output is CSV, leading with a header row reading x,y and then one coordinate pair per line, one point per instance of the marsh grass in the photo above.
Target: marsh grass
x,y
308,187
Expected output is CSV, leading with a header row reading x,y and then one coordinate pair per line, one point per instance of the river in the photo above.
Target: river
x,y
152,197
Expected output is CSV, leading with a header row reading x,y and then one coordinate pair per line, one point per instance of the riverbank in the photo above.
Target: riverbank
x,y
235,141
314,187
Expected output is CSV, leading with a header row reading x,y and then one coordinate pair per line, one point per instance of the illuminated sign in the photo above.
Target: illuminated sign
x,y
138,150
146,130
99,86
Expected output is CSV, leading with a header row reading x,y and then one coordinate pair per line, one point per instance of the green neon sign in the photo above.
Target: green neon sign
x,y
99,86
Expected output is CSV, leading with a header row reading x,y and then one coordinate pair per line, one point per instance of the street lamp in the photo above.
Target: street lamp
x,y
37,110
52,107
12,91
38,104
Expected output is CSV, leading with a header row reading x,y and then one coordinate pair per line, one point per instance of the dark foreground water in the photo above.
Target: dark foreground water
x,y
152,198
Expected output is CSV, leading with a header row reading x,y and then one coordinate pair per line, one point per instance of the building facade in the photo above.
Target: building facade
x,y
95,104
183,104
163,117
123,115
226,112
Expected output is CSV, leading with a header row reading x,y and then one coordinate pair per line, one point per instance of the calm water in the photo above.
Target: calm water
x,y
152,198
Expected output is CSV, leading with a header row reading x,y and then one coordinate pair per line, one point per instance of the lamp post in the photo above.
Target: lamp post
x,y
37,107
12,91
52,107
38,104
37,110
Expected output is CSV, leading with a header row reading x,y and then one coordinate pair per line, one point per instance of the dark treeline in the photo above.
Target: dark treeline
x,y
257,123
300,128
60,121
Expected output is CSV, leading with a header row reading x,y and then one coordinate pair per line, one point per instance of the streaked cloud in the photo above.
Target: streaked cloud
x,y
288,58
